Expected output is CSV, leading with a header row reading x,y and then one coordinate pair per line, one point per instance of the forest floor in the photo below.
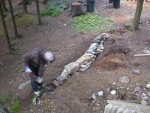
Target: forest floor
x,y
68,45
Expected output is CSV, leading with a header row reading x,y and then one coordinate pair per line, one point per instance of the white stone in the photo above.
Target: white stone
x,y
135,71
148,86
72,67
113,92
101,93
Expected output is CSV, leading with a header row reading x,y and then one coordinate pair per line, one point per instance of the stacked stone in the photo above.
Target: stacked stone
x,y
85,61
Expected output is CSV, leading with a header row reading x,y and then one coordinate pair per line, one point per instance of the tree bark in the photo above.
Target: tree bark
x,y
5,29
24,6
137,15
76,9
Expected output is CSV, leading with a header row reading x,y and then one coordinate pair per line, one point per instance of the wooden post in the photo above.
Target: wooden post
x,y
76,9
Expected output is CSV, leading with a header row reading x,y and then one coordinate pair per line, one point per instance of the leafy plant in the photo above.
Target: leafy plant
x,y
53,8
91,23
15,106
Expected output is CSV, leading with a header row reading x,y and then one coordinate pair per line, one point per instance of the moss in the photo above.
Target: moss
x,y
91,23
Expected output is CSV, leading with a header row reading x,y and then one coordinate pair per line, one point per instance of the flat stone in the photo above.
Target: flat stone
x,y
72,67
124,79
85,58
137,72
56,83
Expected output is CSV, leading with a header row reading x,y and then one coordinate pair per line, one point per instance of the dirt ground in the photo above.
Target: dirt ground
x,y
56,35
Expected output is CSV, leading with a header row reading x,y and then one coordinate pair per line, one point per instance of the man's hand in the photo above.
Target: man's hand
x,y
28,70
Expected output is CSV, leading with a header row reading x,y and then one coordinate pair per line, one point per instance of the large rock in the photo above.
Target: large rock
x,y
85,58
92,48
72,67
100,38
24,85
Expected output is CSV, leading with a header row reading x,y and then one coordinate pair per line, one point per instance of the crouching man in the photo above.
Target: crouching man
x,y
35,63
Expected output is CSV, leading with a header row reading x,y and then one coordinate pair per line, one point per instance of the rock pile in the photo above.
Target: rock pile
x,y
85,61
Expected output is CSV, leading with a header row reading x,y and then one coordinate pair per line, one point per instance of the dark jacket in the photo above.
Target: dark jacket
x,y
35,60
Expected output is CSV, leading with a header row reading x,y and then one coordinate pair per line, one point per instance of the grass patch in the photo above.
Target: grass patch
x,y
14,104
53,8
91,23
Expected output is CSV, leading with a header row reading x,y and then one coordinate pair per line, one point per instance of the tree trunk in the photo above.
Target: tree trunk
x,y
13,20
5,29
76,9
4,5
38,12
24,6
137,15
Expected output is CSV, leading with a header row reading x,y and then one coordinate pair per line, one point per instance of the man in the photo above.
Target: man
x,y
35,64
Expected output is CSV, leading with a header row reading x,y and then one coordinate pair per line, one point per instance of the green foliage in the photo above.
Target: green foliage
x,y
15,106
53,8
91,23
4,99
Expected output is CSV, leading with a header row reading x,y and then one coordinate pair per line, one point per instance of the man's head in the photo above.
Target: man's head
x,y
48,56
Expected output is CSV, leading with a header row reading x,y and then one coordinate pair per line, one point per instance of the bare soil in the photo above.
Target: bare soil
x,y
68,45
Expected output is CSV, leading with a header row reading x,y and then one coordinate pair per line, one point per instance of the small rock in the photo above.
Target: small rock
x,y
113,92
124,79
23,85
56,83
61,79
144,97
72,67
148,86
101,93
137,89
93,98
143,102
135,71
